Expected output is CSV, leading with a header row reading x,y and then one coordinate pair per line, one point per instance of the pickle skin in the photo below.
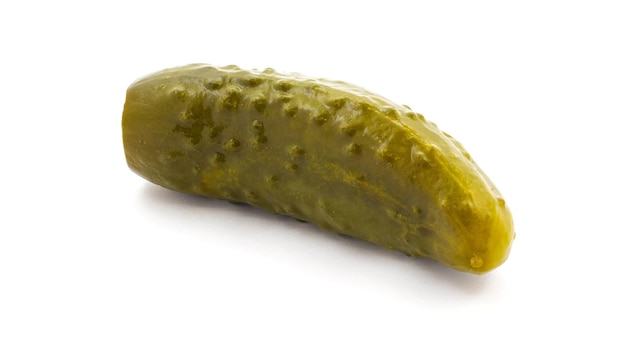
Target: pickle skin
x,y
320,151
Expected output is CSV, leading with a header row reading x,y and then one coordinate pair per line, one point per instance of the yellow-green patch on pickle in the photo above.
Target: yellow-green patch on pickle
x,y
321,151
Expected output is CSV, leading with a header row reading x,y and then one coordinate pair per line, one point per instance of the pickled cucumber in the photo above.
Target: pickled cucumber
x,y
320,151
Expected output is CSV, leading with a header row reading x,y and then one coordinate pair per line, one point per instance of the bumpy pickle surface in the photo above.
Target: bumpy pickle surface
x,y
321,151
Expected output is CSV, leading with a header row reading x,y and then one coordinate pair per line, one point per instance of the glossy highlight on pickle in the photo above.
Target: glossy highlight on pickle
x,y
321,151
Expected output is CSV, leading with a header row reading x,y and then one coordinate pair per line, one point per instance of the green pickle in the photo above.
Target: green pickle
x,y
320,151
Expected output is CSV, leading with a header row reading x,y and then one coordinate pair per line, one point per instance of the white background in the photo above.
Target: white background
x,y
93,258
